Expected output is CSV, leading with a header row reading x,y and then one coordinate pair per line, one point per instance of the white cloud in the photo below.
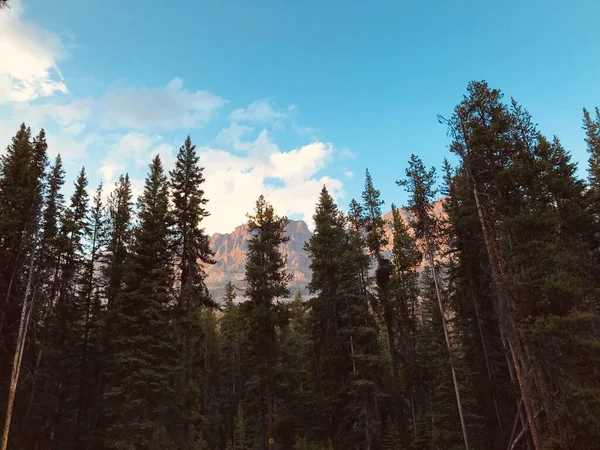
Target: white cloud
x,y
168,108
233,134
235,175
349,173
28,65
134,150
71,148
302,163
346,153
64,114
306,131
258,111
233,182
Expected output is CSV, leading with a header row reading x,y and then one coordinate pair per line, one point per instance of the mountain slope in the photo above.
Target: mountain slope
x,y
230,254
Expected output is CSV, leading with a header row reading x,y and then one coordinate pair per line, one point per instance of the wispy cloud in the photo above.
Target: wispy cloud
x,y
30,56
120,130
260,111
169,108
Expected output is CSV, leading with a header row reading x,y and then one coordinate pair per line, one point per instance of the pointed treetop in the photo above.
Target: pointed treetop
x,y
591,126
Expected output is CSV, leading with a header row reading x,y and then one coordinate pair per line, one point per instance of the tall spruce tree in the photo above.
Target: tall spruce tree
x,y
142,361
231,336
344,333
22,169
376,240
419,183
475,320
192,253
519,181
119,235
266,282
331,345
21,182
62,362
406,259
49,263
88,350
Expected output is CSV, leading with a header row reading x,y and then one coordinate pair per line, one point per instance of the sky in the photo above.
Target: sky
x,y
282,97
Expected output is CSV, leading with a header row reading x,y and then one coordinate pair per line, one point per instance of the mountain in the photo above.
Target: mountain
x,y
230,254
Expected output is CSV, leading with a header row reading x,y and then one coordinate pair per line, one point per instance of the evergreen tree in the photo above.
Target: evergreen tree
x,y
119,234
266,282
344,332
232,336
419,183
192,252
475,321
50,255
88,351
376,241
62,361
293,374
113,261
142,360
406,259
22,169
591,126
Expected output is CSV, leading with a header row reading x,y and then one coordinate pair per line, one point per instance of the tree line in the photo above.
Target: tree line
x,y
473,329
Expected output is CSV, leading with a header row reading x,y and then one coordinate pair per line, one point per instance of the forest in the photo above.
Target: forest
x,y
479,329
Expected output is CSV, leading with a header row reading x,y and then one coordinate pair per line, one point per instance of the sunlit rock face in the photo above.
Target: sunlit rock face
x,y
230,254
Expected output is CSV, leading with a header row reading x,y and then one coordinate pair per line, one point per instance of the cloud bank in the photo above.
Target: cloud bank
x,y
121,129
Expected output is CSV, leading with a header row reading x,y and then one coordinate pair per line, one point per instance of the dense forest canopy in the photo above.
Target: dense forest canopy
x,y
478,330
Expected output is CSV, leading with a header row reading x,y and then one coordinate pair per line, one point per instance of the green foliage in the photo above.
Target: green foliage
x,y
266,282
127,350
139,394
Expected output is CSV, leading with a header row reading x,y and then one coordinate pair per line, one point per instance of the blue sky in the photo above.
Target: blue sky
x,y
283,96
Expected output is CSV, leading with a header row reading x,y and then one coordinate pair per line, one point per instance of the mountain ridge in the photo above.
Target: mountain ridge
x,y
230,255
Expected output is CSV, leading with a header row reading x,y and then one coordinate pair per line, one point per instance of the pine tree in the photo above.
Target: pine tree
x,y
62,363
293,374
21,176
50,254
266,282
344,332
119,233
141,360
591,126
89,348
22,169
419,183
231,336
376,241
519,182
331,345
406,259
475,322
113,261
192,252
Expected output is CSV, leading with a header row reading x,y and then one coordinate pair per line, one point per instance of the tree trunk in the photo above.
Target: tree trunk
x,y
448,344
507,322
486,357
18,356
